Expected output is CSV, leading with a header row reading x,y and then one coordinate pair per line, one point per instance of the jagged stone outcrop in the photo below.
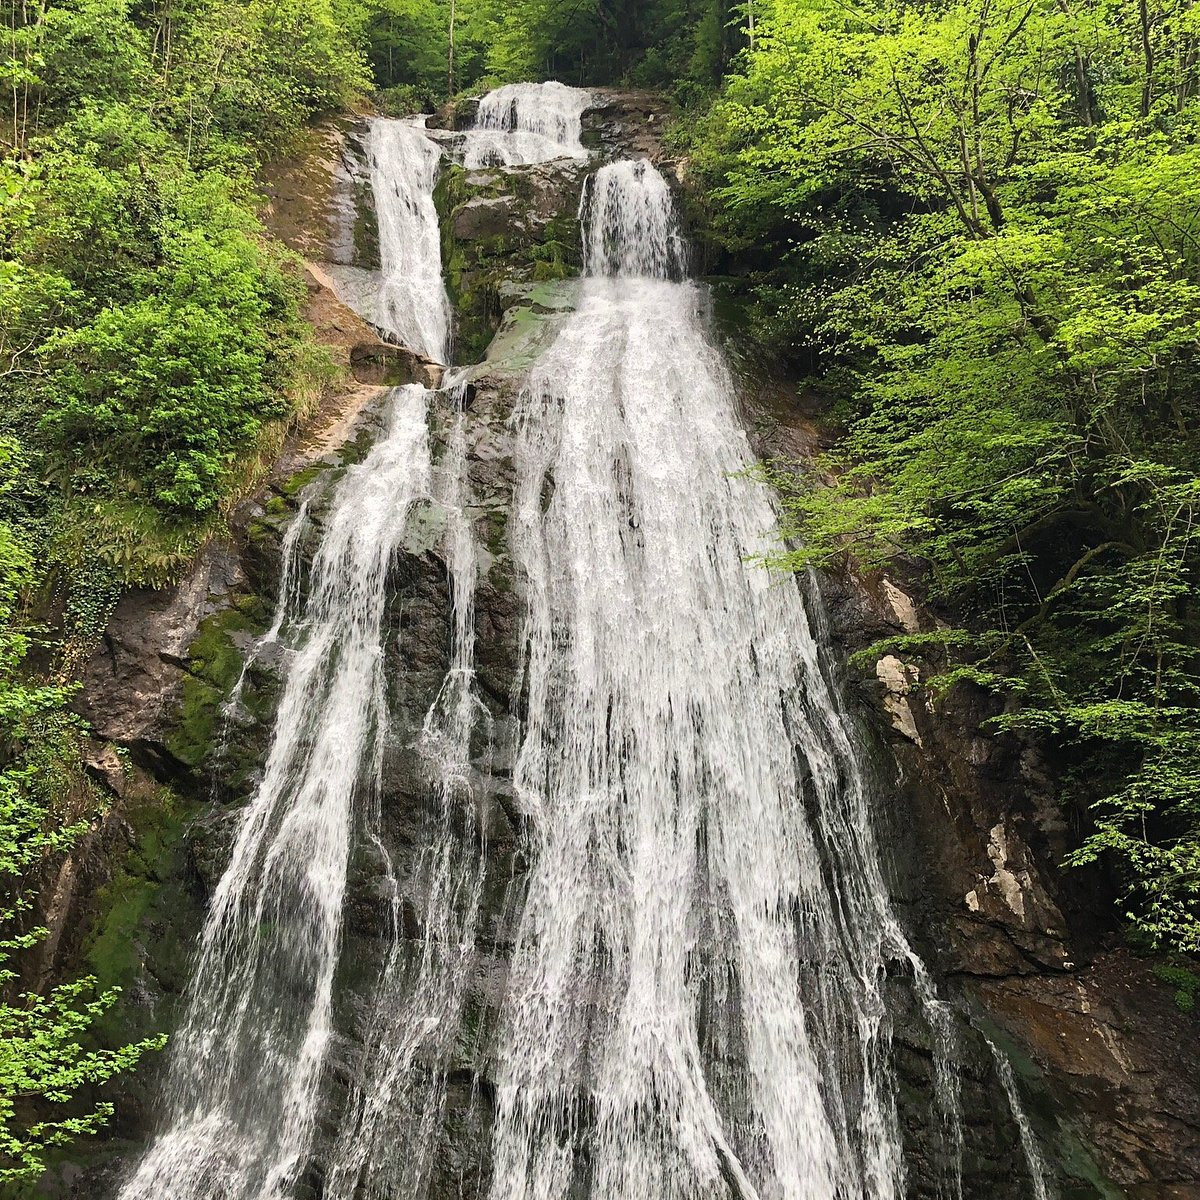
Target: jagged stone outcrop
x,y
456,115
319,198
134,684
624,123
393,366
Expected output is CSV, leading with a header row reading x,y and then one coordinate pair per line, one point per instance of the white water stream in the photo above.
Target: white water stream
x,y
243,1093
1040,1180
389,1137
247,1061
696,1001
526,123
412,304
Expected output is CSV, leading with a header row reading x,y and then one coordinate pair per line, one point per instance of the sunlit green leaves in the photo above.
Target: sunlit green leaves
x,y
983,220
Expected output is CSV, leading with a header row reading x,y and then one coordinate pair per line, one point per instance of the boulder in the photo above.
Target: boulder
x,y
456,114
133,682
485,217
391,366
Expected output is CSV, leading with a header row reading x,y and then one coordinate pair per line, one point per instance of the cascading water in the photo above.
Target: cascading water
x,y
285,601
526,123
629,229
247,1062
695,1005
243,1091
412,304
387,1142
390,1131
1039,1175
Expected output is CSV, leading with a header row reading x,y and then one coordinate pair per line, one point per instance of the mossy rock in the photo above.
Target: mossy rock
x,y
529,326
539,245
493,525
216,659
143,922
292,488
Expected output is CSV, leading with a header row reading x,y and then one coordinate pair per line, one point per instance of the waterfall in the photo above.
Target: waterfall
x,y
695,1005
242,1098
1040,1179
412,304
389,1135
527,123
629,224
246,1064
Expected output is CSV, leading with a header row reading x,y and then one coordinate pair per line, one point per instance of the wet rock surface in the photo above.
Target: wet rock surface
x,y
393,366
1106,1035
625,123
505,227
133,685
1105,1060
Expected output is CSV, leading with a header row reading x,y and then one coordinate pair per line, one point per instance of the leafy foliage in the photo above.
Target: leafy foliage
x,y
1186,984
431,48
657,42
43,1060
150,344
977,221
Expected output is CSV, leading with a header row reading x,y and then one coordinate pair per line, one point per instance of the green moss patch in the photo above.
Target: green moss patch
x,y
215,664
480,271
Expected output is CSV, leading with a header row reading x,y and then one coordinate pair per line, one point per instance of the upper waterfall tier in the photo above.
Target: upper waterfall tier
x,y
526,123
631,228
412,305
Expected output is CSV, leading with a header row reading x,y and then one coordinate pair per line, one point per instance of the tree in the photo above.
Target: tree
x,y
981,218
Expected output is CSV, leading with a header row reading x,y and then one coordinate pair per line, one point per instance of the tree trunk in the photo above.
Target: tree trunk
x,y
1147,56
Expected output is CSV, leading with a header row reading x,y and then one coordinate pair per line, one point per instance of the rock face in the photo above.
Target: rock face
x,y
392,366
627,124
1103,1060
504,227
134,685
1106,1039
1103,1055
320,202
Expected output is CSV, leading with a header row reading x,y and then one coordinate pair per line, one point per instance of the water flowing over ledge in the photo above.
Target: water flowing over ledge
x,y
526,123
244,1086
246,1066
696,1004
412,305
389,1133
